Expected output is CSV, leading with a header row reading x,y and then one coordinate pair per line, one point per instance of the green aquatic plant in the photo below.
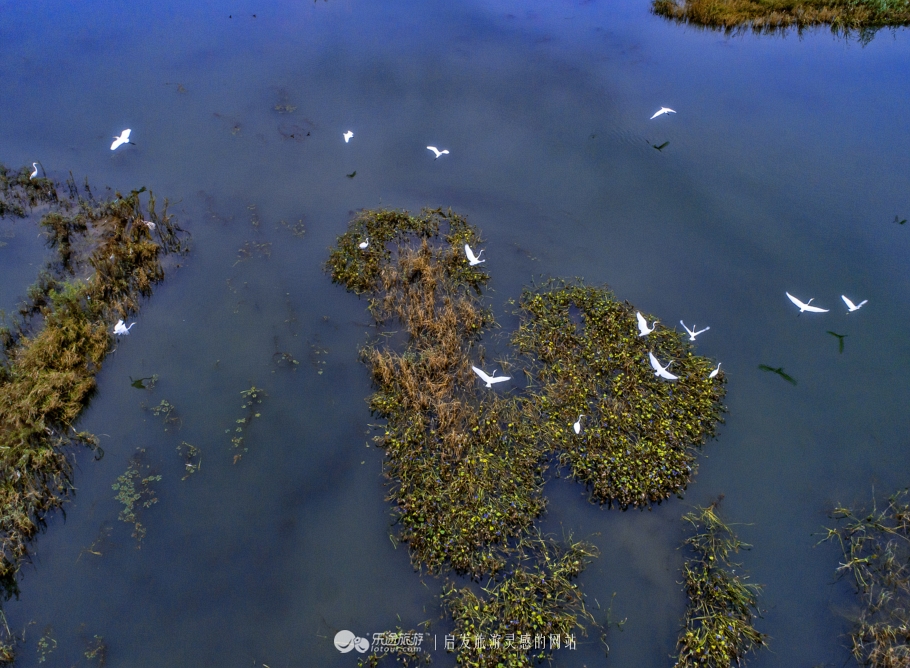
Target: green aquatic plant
x,y
192,458
107,259
251,400
521,618
876,548
464,467
134,492
46,644
640,434
718,629
96,650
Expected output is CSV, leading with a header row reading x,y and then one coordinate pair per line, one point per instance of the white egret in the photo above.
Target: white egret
x,y
124,138
363,244
577,425
472,259
438,153
34,173
347,136
714,373
121,328
691,332
804,306
851,305
489,380
661,370
149,224
643,324
661,112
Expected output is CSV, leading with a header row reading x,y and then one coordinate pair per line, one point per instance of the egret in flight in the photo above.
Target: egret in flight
x,y
715,372
124,138
691,332
643,324
661,112
120,328
851,305
347,136
438,153
804,306
489,380
472,259
363,244
661,370
34,173
577,425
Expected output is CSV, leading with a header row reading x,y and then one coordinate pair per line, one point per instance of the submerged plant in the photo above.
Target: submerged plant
x,y
134,491
718,629
876,547
640,434
251,400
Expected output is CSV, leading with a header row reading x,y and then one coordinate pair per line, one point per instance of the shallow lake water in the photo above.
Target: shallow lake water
x,y
787,163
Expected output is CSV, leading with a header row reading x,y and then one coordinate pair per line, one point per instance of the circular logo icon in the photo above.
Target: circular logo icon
x,y
344,641
361,644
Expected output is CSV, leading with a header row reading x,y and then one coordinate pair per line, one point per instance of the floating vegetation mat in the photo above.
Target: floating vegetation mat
x,y
465,468
639,433
108,256
876,546
466,465
718,631
763,16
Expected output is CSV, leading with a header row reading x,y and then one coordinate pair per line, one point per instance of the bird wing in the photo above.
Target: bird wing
x,y
861,303
850,305
642,323
814,309
500,379
470,253
434,149
654,363
690,332
701,331
125,135
656,115
484,377
795,300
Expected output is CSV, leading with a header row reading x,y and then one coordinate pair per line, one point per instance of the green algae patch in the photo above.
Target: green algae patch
x,y
108,256
718,629
532,610
464,468
764,16
640,433
876,548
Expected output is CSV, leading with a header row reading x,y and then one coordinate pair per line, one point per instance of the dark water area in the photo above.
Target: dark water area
x,y
787,163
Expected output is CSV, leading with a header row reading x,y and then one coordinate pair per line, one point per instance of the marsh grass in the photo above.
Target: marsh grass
x,y
718,628
765,16
876,548
641,433
465,474
106,261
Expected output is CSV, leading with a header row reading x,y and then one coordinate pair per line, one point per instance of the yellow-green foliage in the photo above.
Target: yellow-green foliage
x,y
876,547
770,15
108,257
718,631
537,599
465,473
639,435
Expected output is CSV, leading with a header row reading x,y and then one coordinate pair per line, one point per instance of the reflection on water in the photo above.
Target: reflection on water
x,y
785,168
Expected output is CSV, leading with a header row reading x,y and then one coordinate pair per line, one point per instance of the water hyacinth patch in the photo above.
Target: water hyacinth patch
x,y
641,433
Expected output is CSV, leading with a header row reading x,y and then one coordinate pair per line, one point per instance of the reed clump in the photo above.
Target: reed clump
x,y
765,16
464,467
876,547
108,256
640,433
718,628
